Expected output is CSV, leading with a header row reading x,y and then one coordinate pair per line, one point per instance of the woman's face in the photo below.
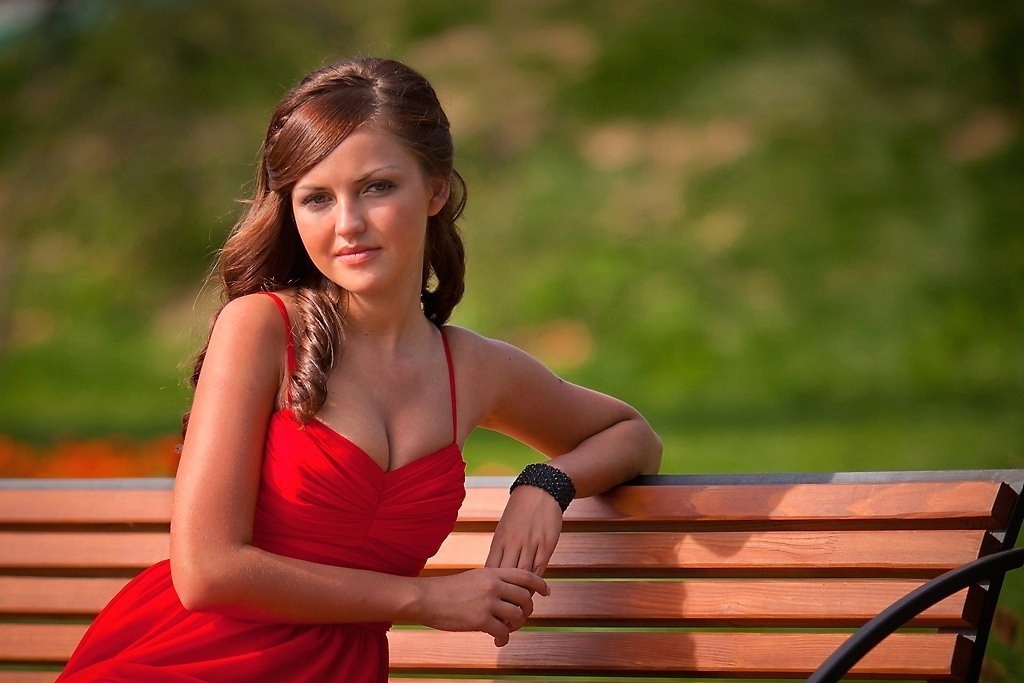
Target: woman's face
x,y
362,214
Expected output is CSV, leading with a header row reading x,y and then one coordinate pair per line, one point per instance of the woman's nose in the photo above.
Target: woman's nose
x,y
349,219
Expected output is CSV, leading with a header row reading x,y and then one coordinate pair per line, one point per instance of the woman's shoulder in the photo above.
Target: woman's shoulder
x,y
465,342
484,353
256,317
259,307
248,341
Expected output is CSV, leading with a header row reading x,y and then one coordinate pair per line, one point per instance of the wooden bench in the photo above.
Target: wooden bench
x,y
734,576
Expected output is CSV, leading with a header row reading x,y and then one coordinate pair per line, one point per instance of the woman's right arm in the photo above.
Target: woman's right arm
x,y
214,565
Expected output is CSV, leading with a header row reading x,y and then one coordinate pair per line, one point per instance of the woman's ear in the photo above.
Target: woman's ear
x,y
440,188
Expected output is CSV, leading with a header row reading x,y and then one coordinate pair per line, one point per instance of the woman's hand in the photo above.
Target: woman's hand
x,y
494,601
527,532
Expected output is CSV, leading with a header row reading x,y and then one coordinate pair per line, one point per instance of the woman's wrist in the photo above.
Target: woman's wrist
x,y
549,479
411,598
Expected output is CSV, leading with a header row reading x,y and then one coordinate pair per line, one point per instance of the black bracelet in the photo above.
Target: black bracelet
x,y
549,479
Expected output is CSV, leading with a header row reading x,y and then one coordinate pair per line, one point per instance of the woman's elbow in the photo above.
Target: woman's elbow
x,y
199,582
650,450
657,447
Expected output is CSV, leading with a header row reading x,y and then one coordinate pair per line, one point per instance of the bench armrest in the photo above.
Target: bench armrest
x,y
900,612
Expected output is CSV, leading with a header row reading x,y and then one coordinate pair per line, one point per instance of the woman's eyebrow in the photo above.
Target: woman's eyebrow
x,y
361,178
370,173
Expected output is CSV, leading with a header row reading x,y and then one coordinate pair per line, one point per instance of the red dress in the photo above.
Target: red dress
x,y
322,499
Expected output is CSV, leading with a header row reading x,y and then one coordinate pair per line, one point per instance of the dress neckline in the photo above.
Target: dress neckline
x,y
291,364
323,427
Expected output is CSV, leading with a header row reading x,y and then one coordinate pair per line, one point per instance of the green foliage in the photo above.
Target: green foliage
x,y
749,218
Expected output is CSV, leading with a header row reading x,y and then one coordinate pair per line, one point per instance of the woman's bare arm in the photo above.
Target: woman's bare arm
x,y
215,566
598,440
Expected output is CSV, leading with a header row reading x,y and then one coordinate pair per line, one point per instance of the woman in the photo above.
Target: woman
x,y
322,462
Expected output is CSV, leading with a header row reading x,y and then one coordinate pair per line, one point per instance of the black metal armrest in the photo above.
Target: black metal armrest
x,y
903,610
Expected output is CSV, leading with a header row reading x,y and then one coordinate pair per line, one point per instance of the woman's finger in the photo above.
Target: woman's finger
x,y
520,597
510,557
510,615
541,559
494,556
530,581
526,558
499,631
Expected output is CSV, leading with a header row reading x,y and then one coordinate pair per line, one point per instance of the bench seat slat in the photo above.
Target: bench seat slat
x,y
768,655
828,603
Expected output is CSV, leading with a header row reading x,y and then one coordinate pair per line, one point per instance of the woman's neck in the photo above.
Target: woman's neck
x,y
388,326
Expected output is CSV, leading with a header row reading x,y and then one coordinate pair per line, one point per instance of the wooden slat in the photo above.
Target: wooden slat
x,y
828,603
964,505
44,677
906,505
767,655
906,554
706,533
85,506
50,676
910,554
78,552
405,679
762,604
39,643
50,597
533,653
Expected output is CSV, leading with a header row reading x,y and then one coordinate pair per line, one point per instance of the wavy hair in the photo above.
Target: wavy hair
x,y
263,251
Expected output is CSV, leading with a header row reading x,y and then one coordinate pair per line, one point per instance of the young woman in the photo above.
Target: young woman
x,y
322,460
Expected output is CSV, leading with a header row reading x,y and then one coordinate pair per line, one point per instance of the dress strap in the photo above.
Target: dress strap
x,y
287,331
451,384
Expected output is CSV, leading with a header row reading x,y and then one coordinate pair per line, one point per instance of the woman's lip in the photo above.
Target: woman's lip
x,y
356,254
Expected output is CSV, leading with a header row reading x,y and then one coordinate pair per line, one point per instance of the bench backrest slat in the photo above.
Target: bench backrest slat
x,y
94,507
740,655
739,554
941,505
599,554
623,653
829,603
904,505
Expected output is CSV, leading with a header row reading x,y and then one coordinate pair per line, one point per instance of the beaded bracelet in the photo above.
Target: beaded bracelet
x,y
549,479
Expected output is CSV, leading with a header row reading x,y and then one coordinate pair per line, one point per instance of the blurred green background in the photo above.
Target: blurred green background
x,y
790,232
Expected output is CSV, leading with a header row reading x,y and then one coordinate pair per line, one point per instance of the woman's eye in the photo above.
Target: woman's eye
x,y
378,186
315,200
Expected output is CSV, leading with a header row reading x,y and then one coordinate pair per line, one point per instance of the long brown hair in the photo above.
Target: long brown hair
x,y
263,251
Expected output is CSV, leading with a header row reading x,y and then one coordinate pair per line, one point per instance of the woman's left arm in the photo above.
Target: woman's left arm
x,y
595,439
